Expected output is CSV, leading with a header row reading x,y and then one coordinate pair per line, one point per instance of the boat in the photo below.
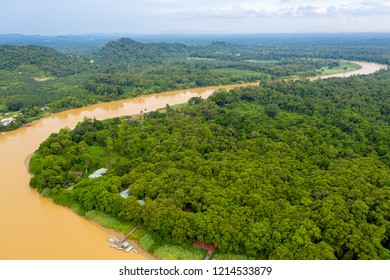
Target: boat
x,y
113,240
120,245
128,248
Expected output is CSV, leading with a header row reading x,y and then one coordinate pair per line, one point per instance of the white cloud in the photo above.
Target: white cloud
x,y
366,8
221,16
234,12
267,8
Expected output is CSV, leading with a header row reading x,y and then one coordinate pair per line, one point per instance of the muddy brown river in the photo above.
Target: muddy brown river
x,y
33,227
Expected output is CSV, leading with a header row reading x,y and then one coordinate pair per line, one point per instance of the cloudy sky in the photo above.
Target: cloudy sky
x,y
55,17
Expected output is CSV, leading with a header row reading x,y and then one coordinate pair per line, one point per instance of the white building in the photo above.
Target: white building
x,y
98,173
5,122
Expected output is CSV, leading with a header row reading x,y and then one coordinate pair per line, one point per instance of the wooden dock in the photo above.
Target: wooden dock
x,y
123,244
127,236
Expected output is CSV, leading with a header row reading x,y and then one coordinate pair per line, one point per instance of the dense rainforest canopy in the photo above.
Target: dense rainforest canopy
x,y
285,170
66,76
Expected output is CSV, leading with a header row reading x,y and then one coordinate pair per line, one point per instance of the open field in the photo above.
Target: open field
x,y
345,66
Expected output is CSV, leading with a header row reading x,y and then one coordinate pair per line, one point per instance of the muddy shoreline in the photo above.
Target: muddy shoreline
x,y
34,226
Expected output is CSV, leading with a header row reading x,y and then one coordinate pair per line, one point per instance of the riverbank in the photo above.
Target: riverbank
x,y
146,242
344,66
341,71
366,69
187,250
160,175
54,232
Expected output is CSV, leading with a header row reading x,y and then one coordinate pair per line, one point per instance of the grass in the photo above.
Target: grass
x,y
187,251
175,252
345,66
178,106
201,58
179,252
147,242
96,151
162,250
169,251
262,61
100,158
143,236
109,222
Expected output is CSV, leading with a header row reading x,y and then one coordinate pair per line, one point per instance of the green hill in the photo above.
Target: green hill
x,y
40,58
127,50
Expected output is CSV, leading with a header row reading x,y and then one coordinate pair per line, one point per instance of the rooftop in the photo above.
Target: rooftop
x,y
98,173
126,193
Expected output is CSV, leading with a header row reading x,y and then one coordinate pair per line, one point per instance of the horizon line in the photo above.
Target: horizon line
x,y
197,34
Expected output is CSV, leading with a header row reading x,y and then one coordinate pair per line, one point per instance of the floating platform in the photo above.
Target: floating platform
x,y
120,245
129,248
113,240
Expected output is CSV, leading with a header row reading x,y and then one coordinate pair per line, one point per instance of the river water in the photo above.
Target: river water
x,y
33,227
367,68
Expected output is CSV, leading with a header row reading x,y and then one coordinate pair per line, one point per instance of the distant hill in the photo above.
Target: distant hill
x,y
43,58
127,50
81,44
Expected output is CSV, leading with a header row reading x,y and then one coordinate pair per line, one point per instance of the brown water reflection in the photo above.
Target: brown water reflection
x,y
32,227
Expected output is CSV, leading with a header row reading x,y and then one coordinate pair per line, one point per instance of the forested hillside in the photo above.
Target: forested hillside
x,y
285,170
127,50
45,59
34,77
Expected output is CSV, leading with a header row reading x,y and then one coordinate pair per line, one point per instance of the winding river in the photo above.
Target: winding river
x,y
33,227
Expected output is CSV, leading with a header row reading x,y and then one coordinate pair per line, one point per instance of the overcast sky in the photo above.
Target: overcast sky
x,y
56,17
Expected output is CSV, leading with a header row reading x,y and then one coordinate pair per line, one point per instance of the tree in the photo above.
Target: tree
x,y
271,110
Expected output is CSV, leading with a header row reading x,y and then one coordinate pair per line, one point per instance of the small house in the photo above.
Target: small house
x,y
126,193
98,173
5,122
